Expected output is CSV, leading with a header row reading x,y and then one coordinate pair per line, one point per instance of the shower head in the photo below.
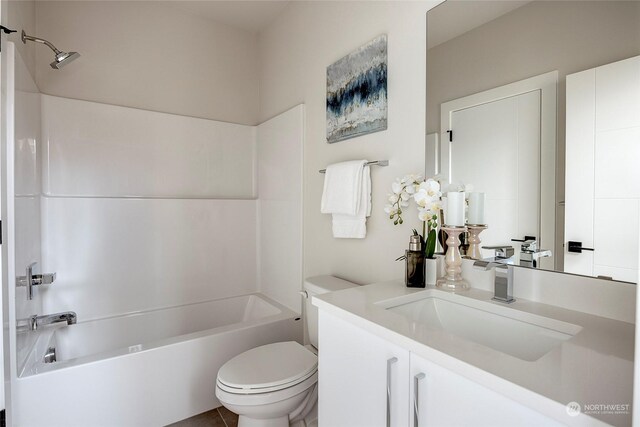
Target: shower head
x,y
62,58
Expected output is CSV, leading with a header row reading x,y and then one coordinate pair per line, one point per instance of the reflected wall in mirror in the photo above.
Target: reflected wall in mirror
x,y
543,101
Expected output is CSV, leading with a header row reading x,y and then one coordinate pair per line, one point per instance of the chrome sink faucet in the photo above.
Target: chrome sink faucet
x,y
36,321
503,253
530,254
503,281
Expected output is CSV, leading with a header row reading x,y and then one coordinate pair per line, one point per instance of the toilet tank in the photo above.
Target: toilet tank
x,y
315,286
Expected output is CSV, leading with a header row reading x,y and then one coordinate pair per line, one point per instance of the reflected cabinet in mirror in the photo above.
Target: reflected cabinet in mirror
x,y
536,104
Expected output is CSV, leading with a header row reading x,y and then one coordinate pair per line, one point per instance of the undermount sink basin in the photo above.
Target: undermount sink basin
x,y
517,333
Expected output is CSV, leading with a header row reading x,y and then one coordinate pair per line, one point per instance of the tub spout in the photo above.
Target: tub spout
x,y
36,321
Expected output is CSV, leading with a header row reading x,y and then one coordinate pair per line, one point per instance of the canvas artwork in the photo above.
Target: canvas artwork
x,y
357,92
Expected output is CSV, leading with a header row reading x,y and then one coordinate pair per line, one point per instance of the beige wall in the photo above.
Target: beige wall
x,y
19,15
294,54
149,55
567,36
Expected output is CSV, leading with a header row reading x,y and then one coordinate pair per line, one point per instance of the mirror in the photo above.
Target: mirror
x,y
536,104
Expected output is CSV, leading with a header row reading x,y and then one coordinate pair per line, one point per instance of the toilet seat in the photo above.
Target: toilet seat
x,y
268,368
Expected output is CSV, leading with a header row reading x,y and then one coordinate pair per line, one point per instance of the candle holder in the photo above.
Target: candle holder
x,y
452,280
474,240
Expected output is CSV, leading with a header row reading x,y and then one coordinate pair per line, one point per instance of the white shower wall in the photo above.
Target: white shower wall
x,y
139,208
101,150
280,207
115,256
143,210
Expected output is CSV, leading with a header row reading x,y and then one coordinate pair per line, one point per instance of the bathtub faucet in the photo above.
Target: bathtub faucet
x,y
36,321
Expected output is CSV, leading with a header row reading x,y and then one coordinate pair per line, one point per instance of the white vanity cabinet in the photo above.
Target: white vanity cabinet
x,y
356,367
443,398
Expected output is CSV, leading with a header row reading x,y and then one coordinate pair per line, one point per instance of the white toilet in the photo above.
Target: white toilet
x,y
275,385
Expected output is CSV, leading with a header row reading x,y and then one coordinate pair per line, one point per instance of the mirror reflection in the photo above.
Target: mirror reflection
x,y
536,104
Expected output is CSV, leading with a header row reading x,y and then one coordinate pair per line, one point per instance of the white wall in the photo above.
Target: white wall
x,y
294,53
170,241
280,146
148,55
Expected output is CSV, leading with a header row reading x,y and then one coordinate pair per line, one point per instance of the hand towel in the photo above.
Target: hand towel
x,y
355,226
343,185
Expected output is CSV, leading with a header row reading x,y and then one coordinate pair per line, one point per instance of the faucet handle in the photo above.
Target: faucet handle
x,y
501,251
528,244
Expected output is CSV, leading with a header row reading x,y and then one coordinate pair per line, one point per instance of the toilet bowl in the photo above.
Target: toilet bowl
x,y
267,384
275,385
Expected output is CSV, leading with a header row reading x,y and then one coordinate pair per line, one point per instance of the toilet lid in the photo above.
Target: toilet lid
x,y
269,367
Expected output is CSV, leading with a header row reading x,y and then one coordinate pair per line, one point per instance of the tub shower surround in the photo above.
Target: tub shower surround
x,y
357,92
154,259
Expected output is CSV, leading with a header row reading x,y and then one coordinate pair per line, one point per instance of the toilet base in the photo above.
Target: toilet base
x,y
244,421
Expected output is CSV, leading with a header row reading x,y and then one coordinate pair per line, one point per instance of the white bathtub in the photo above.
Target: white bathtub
x,y
144,369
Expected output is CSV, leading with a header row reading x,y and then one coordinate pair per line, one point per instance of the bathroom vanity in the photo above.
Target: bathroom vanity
x,y
393,356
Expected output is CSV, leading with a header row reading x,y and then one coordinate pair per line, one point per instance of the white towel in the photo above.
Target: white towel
x,y
355,226
343,188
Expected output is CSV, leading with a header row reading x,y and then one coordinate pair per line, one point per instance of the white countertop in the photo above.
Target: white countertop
x,y
593,367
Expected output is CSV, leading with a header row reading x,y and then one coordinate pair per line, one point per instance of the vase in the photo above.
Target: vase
x,y
433,270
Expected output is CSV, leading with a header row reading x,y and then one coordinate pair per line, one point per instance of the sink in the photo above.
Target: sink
x,y
520,334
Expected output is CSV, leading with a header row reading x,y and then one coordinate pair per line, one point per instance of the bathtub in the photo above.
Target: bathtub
x,y
143,369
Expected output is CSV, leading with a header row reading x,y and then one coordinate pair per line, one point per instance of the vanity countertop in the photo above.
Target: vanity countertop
x,y
594,367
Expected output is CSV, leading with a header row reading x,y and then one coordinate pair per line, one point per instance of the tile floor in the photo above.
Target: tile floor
x,y
219,417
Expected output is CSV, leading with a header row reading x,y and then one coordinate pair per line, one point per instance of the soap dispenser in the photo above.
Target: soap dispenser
x,y
414,268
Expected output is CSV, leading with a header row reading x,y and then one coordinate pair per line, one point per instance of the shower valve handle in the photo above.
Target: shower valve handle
x,y
31,280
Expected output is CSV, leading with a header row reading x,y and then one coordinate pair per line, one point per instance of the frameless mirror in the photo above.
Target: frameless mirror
x,y
537,105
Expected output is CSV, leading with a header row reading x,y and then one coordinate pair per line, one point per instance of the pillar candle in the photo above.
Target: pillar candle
x,y
476,208
455,209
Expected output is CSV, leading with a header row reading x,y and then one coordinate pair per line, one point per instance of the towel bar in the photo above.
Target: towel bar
x,y
373,163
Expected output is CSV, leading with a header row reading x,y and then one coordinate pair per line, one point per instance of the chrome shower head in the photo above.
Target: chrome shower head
x,y
62,58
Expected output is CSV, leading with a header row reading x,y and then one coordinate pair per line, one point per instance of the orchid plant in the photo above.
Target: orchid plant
x,y
427,196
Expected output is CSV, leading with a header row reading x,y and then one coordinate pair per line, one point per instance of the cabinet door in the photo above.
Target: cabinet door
x,y
362,378
441,398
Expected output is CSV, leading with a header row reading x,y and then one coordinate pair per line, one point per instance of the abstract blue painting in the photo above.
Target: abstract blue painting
x,y
357,92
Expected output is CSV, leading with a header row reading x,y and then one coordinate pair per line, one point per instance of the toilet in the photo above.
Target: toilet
x,y
276,385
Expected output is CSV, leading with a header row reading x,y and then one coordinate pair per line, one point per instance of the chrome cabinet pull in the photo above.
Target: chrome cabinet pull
x,y
416,401
389,363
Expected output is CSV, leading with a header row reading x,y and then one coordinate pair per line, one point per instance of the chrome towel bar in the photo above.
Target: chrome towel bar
x,y
373,163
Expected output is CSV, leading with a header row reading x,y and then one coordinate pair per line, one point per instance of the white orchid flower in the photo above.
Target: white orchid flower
x,y
396,187
388,208
424,214
434,206
405,196
431,187
422,198
392,198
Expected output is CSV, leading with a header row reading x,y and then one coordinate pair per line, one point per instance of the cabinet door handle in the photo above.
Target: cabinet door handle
x,y
389,363
416,397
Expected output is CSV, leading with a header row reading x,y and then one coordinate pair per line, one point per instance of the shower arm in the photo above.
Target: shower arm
x,y
26,37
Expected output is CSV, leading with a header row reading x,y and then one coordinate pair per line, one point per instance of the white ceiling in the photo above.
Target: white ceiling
x,y
456,17
248,15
